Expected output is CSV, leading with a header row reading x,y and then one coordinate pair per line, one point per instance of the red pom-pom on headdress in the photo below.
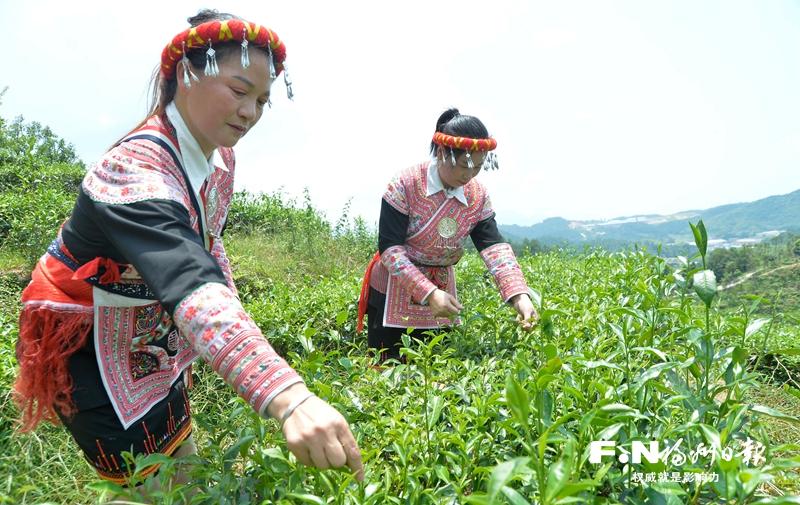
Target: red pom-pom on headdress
x,y
465,143
215,32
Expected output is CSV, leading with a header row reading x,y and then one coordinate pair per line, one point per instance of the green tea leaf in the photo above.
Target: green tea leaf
x,y
609,432
600,363
792,391
756,325
514,497
307,498
239,447
557,476
503,473
761,409
654,371
705,285
550,351
700,237
518,400
711,435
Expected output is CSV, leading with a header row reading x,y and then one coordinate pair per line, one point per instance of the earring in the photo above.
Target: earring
x,y
188,75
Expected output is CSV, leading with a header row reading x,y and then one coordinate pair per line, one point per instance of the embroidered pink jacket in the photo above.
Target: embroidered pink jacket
x,y
173,299
437,230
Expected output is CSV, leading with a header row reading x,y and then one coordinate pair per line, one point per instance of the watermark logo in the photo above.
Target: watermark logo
x,y
679,477
751,452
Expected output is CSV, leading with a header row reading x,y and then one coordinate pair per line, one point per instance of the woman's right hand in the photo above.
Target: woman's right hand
x,y
316,433
443,304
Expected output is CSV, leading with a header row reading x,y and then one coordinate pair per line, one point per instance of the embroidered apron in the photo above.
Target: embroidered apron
x,y
435,248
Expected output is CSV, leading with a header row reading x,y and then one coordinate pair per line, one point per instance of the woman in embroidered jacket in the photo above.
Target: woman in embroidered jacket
x,y
137,284
427,213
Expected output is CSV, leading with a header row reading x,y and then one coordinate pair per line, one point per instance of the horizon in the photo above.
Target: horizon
x,y
653,215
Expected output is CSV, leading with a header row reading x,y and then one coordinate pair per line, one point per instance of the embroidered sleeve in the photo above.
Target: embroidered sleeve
x,y
395,194
214,321
399,265
503,266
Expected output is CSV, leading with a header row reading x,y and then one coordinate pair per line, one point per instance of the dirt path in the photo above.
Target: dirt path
x,y
759,273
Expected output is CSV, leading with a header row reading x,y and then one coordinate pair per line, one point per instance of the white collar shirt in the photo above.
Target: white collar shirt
x,y
435,184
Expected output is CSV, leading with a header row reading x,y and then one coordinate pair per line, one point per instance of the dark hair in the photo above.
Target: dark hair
x,y
162,91
453,123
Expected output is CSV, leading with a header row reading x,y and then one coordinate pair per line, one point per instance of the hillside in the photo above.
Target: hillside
x,y
733,224
779,288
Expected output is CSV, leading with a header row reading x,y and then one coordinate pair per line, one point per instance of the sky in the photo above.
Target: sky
x,y
600,109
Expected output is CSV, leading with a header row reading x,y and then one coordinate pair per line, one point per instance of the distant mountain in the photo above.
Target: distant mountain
x,y
733,224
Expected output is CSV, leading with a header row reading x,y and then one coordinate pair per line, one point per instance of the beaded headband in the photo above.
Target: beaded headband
x,y
468,144
212,32
464,143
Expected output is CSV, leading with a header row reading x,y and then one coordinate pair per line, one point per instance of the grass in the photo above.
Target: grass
x,y
257,257
12,262
781,432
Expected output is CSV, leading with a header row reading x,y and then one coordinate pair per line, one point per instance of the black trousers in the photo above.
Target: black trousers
x,y
387,340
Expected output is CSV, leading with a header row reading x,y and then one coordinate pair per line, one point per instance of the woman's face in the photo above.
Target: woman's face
x,y
220,110
460,174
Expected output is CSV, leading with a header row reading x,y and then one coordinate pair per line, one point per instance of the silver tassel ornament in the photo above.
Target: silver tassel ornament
x,y
272,73
452,157
490,163
211,62
288,82
245,51
470,164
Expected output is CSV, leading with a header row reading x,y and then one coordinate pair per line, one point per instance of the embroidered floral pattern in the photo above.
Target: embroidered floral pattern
x,y
136,371
487,210
219,329
502,264
142,364
402,310
135,171
425,245
396,193
406,273
218,251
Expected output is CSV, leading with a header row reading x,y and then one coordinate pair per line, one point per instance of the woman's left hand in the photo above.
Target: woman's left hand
x,y
527,315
